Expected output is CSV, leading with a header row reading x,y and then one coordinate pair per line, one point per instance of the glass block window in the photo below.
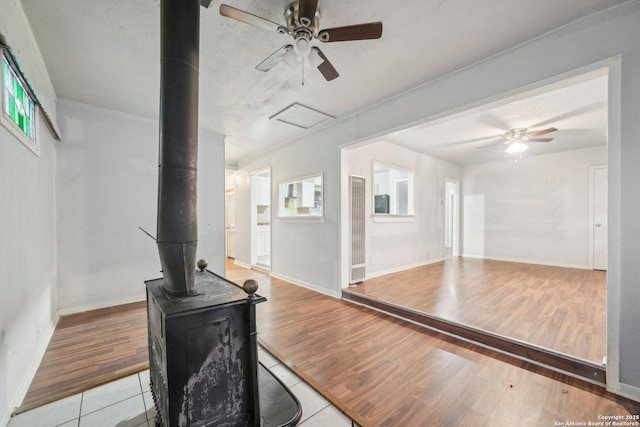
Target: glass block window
x,y
17,105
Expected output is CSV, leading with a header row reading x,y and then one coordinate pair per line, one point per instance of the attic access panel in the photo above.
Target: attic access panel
x,y
301,116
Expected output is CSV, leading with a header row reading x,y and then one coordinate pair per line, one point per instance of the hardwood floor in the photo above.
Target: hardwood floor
x,y
89,349
561,309
384,371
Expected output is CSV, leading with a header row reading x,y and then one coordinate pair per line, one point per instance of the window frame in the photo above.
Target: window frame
x,y
282,196
393,216
8,123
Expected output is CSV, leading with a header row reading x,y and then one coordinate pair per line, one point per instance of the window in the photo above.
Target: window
x,y
301,198
392,190
18,106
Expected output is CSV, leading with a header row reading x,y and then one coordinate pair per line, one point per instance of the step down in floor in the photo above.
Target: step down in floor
x,y
570,365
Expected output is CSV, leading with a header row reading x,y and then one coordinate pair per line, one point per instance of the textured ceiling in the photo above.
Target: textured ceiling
x,y
106,53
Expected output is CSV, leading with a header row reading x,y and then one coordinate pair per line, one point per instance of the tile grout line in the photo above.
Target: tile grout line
x,y
144,402
80,409
301,381
315,413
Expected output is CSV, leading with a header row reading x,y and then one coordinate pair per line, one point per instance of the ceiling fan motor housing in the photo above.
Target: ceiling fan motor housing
x,y
295,23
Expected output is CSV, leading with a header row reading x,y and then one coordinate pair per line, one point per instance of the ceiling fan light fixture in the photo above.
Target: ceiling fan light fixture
x,y
314,58
291,58
302,45
516,147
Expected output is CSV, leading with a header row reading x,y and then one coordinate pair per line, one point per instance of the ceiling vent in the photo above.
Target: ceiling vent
x,y
301,116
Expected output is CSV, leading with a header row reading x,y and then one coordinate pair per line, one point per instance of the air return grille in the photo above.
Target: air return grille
x,y
356,191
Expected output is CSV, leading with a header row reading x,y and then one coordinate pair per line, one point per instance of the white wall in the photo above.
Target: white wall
x,y
211,185
565,52
532,210
27,230
396,246
107,180
304,252
27,261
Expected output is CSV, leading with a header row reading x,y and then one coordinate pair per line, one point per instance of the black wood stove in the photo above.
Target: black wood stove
x,y
202,328
203,358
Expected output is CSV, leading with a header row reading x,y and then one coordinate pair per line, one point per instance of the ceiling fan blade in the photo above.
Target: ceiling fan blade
x,y
248,18
540,139
372,30
327,70
307,11
274,59
541,132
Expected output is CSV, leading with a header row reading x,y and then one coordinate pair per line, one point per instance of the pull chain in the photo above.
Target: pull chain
x,y
302,72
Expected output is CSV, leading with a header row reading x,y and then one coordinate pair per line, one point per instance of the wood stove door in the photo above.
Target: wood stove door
x,y
211,363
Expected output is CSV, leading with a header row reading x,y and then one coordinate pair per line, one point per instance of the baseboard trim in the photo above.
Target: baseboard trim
x,y
628,391
97,306
325,291
30,374
402,268
242,264
529,261
261,269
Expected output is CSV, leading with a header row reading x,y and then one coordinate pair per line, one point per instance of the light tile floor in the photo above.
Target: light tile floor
x,y
128,403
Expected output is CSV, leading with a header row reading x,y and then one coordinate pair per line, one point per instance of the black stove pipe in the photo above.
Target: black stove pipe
x,y
177,233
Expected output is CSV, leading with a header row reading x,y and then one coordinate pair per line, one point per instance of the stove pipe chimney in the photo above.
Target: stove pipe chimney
x,y
177,233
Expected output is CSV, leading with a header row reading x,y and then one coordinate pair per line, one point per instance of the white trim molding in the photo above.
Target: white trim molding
x,y
402,268
310,286
242,264
97,306
30,374
628,391
528,261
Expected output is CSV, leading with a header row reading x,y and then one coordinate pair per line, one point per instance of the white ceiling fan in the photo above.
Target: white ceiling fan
x,y
517,139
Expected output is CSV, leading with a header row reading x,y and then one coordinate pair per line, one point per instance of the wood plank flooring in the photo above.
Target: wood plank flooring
x,y
561,309
89,349
384,371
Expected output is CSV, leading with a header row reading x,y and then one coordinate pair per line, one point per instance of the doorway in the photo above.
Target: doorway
x,y
230,223
516,214
451,218
261,218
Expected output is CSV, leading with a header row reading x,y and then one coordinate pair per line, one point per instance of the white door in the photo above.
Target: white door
x,y
599,207
451,218
261,218
230,223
